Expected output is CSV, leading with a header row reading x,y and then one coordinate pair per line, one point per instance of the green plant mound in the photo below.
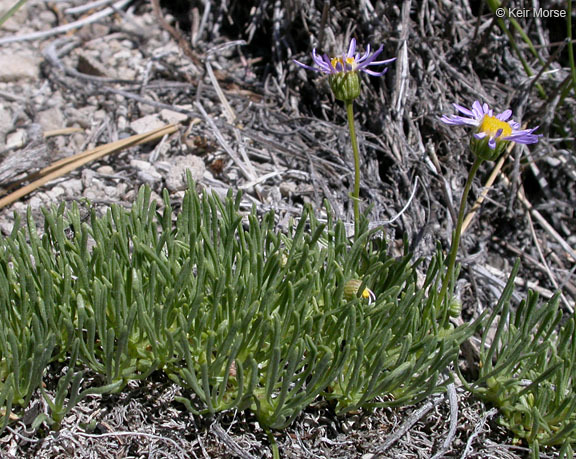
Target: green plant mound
x,y
240,315
527,368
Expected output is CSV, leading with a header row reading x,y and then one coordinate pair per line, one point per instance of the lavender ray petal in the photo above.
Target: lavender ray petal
x,y
371,72
351,48
505,115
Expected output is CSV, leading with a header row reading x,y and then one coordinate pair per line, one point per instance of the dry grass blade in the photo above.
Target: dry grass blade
x,y
228,111
63,131
62,167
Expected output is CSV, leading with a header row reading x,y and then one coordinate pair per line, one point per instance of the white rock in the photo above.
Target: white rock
x,y
150,176
6,226
111,191
88,178
176,174
51,119
16,139
91,195
19,67
105,170
20,207
146,123
288,188
55,193
73,187
38,200
140,165
171,116
48,18
100,115
121,189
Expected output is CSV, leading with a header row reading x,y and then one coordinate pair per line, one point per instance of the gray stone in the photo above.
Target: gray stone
x,y
73,187
140,165
146,123
5,123
150,176
176,173
19,67
16,139
171,116
51,119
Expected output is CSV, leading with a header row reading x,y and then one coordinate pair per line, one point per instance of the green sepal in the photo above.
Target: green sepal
x,y
345,85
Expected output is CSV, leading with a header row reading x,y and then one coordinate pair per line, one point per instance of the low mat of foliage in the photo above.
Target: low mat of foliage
x,y
244,317
240,315
528,370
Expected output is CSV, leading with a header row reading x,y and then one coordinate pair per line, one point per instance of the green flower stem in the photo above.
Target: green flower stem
x,y
458,230
354,140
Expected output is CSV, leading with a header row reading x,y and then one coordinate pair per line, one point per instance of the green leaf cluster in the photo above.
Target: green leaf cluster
x,y
240,315
528,370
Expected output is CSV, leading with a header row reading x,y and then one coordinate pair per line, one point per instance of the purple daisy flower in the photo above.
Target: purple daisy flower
x,y
493,128
348,62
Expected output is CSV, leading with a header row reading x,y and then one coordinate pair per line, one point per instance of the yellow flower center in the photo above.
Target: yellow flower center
x,y
491,125
349,60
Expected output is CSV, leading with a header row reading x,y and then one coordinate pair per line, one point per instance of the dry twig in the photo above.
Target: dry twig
x,y
67,27
453,400
229,442
62,167
407,425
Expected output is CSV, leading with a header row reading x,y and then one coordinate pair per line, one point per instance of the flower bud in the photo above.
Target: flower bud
x,y
455,307
352,287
